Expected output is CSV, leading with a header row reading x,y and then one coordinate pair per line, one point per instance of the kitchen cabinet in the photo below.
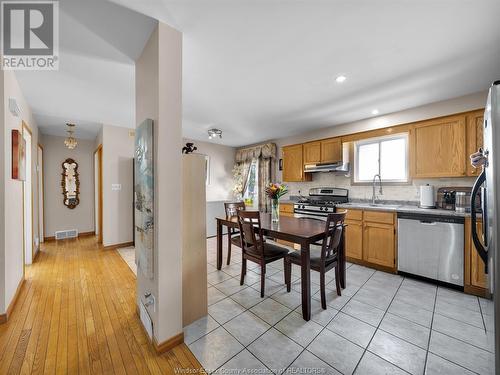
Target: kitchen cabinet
x,y
354,239
312,152
379,244
286,209
331,150
438,148
474,138
293,164
475,278
371,238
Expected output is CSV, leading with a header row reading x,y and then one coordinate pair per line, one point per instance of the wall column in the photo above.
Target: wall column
x,y
159,97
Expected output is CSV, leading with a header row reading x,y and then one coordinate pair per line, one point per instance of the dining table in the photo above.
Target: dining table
x,y
302,231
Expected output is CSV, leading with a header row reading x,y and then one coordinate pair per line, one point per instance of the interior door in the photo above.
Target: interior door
x,y
41,229
28,198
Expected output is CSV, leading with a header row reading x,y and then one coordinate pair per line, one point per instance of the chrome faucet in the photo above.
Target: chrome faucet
x,y
374,197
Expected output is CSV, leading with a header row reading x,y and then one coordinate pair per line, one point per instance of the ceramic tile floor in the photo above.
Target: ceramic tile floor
x,y
382,324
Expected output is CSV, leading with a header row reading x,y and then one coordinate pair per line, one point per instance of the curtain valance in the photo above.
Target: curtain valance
x,y
265,151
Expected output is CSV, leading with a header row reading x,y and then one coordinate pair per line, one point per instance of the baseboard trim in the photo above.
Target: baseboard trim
x,y
5,317
169,344
83,234
118,245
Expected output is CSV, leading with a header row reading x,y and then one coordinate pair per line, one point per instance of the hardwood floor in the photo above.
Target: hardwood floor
x,y
76,314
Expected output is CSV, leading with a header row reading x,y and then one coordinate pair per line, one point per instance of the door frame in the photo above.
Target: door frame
x,y
98,153
41,193
25,127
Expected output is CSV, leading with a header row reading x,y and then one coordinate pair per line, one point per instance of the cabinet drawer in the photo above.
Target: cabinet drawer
x,y
353,214
379,217
286,208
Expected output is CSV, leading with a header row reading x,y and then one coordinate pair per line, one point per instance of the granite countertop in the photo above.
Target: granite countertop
x,y
405,207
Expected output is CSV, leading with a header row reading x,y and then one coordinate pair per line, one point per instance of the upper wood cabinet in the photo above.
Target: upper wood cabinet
x,y
331,150
474,138
312,152
293,164
438,148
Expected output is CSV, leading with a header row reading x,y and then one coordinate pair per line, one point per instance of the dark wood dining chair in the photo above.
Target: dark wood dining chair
x,y
324,256
254,246
233,235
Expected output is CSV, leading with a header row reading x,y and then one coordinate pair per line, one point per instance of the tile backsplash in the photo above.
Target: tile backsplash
x,y
409,192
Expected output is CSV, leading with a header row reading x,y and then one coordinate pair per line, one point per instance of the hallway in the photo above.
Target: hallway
x,y
76,315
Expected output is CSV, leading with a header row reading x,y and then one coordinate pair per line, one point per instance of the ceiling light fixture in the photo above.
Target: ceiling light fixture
x,y
375,112
340,79
70,142
214,133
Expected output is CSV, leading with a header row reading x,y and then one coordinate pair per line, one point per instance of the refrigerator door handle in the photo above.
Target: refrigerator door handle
x,y
483,253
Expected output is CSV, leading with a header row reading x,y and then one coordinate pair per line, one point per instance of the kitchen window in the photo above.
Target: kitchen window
x,y
251,193
386,156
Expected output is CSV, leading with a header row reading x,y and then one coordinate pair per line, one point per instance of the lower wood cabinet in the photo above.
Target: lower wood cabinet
x,y
286,209
379,244
371,238
354,239
475,278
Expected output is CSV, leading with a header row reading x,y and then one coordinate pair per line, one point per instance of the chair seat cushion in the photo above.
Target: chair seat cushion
x,y
315,256
270,251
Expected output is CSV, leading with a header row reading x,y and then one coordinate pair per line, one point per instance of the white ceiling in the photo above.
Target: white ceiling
x,y
260,69
99,42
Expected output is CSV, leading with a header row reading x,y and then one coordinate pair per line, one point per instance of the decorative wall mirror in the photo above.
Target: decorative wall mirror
x,y
70,183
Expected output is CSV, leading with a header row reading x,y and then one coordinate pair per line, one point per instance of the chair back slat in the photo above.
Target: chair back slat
x,y
333,235
250,231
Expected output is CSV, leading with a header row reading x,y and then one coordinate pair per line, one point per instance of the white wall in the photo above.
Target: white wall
x,y
402,192
57,215
158,97
11,208
221,165
117,165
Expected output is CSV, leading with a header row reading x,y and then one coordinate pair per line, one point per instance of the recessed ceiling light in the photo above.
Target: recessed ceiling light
x,y
340,79
375,112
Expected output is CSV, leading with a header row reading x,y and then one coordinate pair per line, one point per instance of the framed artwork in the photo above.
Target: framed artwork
x,y
70,183
18,156
144,198
280,164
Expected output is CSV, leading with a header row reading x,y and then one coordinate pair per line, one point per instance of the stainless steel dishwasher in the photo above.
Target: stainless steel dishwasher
x,y
431,246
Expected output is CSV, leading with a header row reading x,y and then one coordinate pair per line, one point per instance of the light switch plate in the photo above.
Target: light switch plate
x,y
116,187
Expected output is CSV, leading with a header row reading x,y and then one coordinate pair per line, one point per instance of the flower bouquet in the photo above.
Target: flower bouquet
x,y
275,191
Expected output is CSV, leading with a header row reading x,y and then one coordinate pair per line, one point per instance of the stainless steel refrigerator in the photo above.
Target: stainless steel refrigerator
x,y
487,187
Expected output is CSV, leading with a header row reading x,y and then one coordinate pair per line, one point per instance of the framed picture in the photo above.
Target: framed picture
x,y
18,156
280,164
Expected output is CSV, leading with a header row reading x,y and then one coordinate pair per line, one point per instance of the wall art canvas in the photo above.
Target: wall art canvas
x,y
18,156
144,198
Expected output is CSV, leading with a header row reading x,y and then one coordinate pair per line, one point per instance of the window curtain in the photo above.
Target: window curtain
x,y
266,156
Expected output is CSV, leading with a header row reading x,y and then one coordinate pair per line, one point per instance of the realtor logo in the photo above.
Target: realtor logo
x,y
30,35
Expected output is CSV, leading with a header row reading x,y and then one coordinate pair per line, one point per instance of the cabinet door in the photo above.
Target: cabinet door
x,y
438,148
312,152
477,275
474,138
331,150
354,239
293,166
379,244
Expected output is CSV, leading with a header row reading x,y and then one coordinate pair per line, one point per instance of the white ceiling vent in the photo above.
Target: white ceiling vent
x,y
64,234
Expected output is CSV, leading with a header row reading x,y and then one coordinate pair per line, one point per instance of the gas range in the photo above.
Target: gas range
x,y
320,203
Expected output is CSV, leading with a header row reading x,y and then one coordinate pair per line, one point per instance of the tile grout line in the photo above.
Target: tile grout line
x,y
378,326
430,332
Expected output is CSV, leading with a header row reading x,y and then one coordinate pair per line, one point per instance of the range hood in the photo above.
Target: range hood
x,y
340,167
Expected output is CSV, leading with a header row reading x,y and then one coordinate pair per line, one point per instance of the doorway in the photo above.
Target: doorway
x,y
41,229
98,192
28,197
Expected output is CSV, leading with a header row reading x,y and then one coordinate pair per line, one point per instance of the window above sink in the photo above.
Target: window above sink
x,y
387,156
